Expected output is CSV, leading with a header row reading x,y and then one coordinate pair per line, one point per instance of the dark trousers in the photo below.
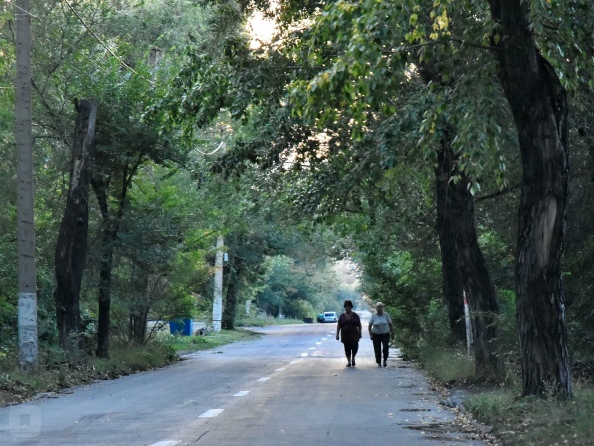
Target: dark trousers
x,y
381,343
351,349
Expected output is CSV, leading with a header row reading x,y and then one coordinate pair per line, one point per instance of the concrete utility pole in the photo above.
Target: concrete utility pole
x,y
25,223
217,307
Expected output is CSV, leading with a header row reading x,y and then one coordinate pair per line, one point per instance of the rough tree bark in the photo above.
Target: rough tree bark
x,y
138,322
71,247
139,312
108,234
232,273
539,106
463,265
452,285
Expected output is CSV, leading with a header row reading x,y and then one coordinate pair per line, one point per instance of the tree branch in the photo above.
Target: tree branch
x,y
499,193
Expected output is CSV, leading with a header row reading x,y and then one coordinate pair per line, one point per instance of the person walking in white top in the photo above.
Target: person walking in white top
x,y
381,330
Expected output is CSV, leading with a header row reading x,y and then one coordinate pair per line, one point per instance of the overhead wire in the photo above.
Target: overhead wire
x,y
222,145
93,62
88,28
80,19
24,10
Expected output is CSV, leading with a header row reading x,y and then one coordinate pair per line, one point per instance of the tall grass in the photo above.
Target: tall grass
x,y
536,421
262,321
59,369
448,365
210,340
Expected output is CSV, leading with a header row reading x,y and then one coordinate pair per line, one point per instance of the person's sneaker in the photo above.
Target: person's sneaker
x,y
349,364
378,364
385,364
353,363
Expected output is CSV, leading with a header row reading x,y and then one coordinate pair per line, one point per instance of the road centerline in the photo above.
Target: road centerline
x,y
242,393
166,443
211,413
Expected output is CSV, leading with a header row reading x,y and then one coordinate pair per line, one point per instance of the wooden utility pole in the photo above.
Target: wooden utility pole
x,y
25,224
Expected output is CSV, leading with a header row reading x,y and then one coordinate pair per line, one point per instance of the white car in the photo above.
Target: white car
x,y
330,316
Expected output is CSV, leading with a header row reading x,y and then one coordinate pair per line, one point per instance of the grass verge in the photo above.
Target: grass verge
x,y
536,421
257,321
211,340
447,365
59,370
516,421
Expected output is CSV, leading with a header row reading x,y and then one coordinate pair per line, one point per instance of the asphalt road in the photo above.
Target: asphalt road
x,y
290,387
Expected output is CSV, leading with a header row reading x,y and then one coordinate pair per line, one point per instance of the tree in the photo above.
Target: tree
x,y
359,89
71,247
375,73
121,151
539,106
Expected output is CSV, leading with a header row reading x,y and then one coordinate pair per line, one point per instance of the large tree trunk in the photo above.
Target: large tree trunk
x,y
538,103
109,232
105,268
139,312
71,247
452,284
138,321
463,265
232,270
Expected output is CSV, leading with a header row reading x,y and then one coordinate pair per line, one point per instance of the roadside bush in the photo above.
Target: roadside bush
x,y
262,321
448,365
509,349
536,421
300,308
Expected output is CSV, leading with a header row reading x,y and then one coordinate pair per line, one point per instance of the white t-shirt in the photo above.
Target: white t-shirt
x,y
380,324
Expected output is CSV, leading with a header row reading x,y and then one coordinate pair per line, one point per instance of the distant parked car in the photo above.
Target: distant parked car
x,y
330,316
320,317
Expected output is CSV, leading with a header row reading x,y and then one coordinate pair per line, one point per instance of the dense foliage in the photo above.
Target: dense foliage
x,y
318,145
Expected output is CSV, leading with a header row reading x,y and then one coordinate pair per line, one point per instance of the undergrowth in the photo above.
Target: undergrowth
x,y
211,340
448,365
536,421
59,369
516,421
262,321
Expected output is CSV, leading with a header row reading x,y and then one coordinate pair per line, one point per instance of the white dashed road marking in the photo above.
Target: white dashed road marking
x,y
166,443
280,370
264,379
318,343
312,348
211,413
304,354
242,393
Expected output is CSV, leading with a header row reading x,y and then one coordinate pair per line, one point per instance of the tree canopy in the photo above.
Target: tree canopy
x,y
426,142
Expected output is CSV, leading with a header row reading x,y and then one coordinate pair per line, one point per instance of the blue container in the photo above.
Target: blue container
x,y
184,327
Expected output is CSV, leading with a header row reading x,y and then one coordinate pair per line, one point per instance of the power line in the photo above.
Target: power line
x,y
80,19
88,28
24,10
222,145
94,63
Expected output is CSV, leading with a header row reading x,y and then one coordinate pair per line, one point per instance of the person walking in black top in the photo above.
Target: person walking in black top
x,y
349,327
